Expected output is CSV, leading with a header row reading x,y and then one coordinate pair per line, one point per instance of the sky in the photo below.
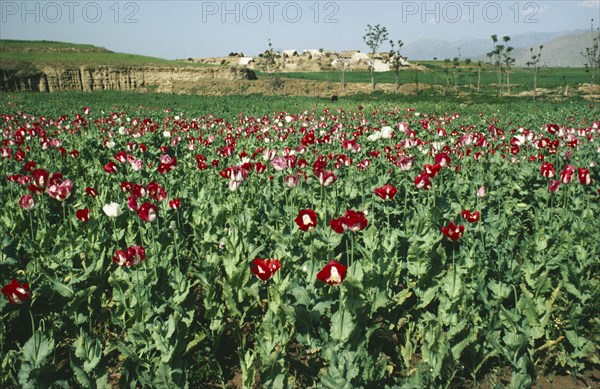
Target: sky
x,y
181,29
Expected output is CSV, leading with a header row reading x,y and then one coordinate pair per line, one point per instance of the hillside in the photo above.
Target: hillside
x,y
563,51
43,66
49,53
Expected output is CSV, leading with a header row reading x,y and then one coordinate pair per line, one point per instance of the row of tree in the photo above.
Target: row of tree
x,y
500,57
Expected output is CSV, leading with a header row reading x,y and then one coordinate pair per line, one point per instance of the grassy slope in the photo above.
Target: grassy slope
x,y
13,54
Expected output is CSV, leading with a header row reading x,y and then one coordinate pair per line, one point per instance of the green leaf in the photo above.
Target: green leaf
x,y
163,379
80,375
62,289
342,325
428,296
37,349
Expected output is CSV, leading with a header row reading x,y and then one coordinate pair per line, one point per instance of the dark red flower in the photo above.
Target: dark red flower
x,y
130,257
175,203
326,177
27,202
29,166
40,178
333,273
453,231
386,192
91,192
132,203
83,215
547,170
432,170
136,254
16,292
567,174
336,225
61,191
471,217
148,212
354,221
422,181
584,176
553,186
306,219
110,167
351,221
264,269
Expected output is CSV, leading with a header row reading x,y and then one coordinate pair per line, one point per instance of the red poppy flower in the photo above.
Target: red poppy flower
x,y
16,292
432,170
471,217
148,212
29,166
135,255
453,231
553,186
27,202
40,178
386,192
567,174
351,221
336,225
333,273
326,177
175,203
354,221
110,167
83,215
61,191
584,176
91,192
130,257
264,269
306,219
547,170
422,181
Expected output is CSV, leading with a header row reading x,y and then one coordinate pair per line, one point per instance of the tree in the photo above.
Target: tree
x,y
342,64
268,63
508,60
592,55
434,74
373,38
499,58
456,63
469,73
447,71
396,60
535,63
479,68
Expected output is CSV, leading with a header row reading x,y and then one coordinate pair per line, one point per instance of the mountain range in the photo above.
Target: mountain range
x,y
562,48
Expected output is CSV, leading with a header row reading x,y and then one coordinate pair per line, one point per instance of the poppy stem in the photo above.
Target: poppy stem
x,y
31,227
32,321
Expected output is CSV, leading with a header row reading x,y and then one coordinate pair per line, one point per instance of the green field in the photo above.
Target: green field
x,y
14,53
483,278
438,74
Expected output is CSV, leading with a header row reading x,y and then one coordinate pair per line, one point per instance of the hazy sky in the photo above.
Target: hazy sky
x,y
181,29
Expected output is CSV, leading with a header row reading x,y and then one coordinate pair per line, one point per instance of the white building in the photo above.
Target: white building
x,y
246,61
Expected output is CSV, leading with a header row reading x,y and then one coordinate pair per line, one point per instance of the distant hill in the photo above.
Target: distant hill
x,y
32,54
562,51
562,48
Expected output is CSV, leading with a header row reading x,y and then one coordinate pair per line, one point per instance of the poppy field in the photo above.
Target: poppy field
x,y
332,246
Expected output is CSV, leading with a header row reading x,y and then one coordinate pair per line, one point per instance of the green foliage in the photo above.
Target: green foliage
x,y
518,290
